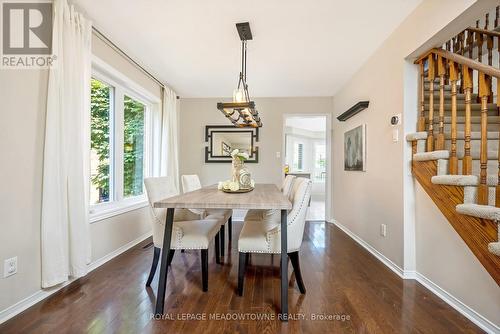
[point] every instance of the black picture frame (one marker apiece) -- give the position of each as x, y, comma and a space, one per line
211, 129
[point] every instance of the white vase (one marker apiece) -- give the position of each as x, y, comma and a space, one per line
241, 174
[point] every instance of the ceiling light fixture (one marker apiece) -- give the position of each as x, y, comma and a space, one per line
241, 112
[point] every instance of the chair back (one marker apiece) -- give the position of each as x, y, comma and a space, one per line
300, 195
287, 185
192, 183
158, 188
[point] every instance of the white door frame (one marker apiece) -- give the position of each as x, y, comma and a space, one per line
328, 140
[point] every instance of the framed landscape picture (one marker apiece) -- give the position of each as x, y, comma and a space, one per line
355, 149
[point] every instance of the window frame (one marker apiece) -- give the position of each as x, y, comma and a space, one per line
122, 85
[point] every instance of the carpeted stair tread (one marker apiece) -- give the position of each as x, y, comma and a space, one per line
434, 155
474, 135
479, 211
416, 136
455, 180
463, 180
461, 120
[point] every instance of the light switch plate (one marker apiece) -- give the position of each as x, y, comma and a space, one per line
383, 230
10, 267
395, 135
278, 154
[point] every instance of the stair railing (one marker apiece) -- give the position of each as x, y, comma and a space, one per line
456, 68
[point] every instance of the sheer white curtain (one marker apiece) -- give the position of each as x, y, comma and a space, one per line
167, 155
65, 237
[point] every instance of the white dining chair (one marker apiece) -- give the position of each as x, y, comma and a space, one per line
264, 235
286, 188
189, 230
192, 183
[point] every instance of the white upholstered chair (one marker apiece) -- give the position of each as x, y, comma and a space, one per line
192, 183
189, 231
264, 235
286, 188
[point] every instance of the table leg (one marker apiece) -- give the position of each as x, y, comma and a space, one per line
162, 282
284, 267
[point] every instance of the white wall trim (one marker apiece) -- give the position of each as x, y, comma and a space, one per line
381, 257
458, 305
40, 295
448, 298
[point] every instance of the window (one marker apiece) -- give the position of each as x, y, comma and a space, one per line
133, 147
100, 153
298, 157
121, 142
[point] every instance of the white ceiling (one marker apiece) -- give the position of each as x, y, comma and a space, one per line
315, 124
300, 48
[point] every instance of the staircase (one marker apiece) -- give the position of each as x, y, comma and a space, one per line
456, 146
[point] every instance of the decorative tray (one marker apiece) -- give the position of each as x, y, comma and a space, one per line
237, 191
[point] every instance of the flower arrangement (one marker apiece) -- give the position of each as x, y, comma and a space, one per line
241, 179
236, 154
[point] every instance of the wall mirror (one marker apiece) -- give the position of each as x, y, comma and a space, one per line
223, 139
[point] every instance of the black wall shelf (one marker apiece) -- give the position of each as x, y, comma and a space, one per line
358, 107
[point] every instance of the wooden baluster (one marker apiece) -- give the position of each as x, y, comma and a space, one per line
447, 76
470, 42
484, 91
431, 75
467, 160
453, 154
421, 119
477, 24
441, 72
497, 14
487, 21
479, 43
461, 38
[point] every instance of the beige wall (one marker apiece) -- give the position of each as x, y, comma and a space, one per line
381, 193
22, 117
196, 113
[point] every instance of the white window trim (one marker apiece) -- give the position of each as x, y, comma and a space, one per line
123, 85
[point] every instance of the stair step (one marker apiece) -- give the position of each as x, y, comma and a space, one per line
474, 135
461, 107
416, 136
436, 86
447, 96
479, 211
492, 120
463, 180
434, 155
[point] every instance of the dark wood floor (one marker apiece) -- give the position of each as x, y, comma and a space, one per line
342, 280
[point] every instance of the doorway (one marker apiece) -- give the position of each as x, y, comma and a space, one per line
306, 154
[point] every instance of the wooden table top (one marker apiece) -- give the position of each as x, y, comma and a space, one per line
264, 196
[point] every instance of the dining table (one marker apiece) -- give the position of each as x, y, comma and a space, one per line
263, 196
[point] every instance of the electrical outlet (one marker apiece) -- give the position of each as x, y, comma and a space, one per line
10, 267
383, 230
278, 154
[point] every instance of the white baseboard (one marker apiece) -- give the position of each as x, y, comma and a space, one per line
458, 305
451, 300
41, 294
381, 257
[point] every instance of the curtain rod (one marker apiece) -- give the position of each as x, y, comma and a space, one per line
106, 40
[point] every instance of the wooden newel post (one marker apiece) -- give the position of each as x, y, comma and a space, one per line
441, 73
467, 160
431, 75
453, 153
421, 119
484, 93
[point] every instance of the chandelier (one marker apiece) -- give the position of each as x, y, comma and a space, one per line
241, 111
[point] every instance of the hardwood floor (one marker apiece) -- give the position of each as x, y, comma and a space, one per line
342, 279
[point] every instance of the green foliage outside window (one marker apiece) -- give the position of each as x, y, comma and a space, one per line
133, 149
99, 135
